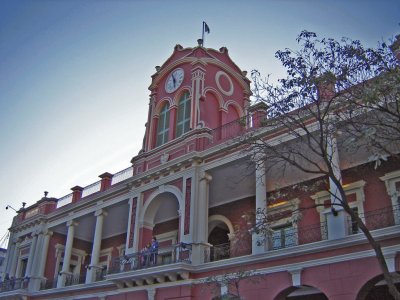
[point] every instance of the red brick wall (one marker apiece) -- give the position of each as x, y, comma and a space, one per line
234, 212
56, 238
166, 227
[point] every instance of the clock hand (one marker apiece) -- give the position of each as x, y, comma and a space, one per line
173, 80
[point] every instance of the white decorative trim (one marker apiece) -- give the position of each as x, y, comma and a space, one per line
121, 249
217, 79
108, 252
356, 187
390, 180
162, 189
168, 236
164, 158
236, 105
296, 277
76, 252
222, 219
291, 205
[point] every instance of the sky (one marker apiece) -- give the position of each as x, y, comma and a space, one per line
74, 75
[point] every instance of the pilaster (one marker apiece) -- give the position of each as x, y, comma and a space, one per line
198, 76
200, 247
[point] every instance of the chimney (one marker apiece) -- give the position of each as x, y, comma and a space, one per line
258, 114
395, 47
76, 193
105, 181
326, 86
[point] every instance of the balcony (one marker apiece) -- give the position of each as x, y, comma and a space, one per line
376, 219
14, 284
174, 263
145, 268
141, 260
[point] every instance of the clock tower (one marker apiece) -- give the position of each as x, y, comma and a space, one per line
195, 88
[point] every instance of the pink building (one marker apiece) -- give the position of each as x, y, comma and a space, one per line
189, 187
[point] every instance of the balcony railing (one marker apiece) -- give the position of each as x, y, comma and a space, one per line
74, 279
229, 131
376, 219
122, 175
64, 200
14, 284
100, 274
146, 259
219, 252
70, 280
48, 284
276, 240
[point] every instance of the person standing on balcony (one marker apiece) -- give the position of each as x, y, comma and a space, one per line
145, 255
154, 250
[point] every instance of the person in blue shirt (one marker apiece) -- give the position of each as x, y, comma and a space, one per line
154, 250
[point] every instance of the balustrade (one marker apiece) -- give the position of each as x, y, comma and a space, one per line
146, 259
14, 284
122, 175
91, 189
64, 200
376, 219
74, 279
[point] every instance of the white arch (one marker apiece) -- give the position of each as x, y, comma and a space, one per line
161, 190
217, 95
161, 103
236, 106
218, 219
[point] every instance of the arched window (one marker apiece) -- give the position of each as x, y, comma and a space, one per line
163, 126
183, 118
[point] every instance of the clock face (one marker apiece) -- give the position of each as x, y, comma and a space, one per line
174, 80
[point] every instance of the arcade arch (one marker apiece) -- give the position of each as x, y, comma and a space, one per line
303, 292
220, 234
160, 217
376, 288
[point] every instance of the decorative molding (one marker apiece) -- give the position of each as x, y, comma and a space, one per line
164, 158
218, 76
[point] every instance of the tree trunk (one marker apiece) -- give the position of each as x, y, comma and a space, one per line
375, 246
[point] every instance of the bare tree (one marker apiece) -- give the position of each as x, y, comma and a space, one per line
337, 95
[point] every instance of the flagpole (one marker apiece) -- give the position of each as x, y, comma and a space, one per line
202, 35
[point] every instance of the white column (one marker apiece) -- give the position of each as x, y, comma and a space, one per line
14, 259
93, 267
36, 262
31, 256
259, 244
200, 219
336, 219
37, 271
67, 253
10, 253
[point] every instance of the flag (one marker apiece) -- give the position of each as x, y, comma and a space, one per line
206, 28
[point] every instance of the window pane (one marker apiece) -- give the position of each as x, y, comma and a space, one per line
162, 126
289, 237
354, 226
183, 118
283, 236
